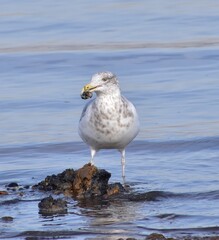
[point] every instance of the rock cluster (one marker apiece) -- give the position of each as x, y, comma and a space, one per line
86, 182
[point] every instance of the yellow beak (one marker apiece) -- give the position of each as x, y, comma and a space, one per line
87, 91
87, 88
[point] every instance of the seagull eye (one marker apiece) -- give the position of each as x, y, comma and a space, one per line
104, 79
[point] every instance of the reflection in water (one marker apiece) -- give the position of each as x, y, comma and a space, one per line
112, 218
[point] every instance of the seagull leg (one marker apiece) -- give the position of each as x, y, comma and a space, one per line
92, 152
123, 163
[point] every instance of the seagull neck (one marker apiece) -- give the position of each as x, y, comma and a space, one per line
114, 93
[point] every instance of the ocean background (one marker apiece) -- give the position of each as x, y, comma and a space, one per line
166, 57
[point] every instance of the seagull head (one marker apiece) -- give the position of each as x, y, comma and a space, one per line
101, 83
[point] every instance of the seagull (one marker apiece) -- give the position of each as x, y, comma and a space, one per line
109, 121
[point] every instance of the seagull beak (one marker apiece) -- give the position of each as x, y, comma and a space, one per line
89, 88
87, 91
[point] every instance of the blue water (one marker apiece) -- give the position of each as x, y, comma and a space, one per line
165, 54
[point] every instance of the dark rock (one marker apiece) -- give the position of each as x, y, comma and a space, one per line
50, 205
7, 219
12, 185
61, 182
86, 182
115, 188
156, 236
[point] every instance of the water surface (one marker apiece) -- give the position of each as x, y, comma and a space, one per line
165, 55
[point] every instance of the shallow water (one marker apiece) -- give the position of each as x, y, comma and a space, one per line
166, 57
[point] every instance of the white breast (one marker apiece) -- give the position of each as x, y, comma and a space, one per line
109, 123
